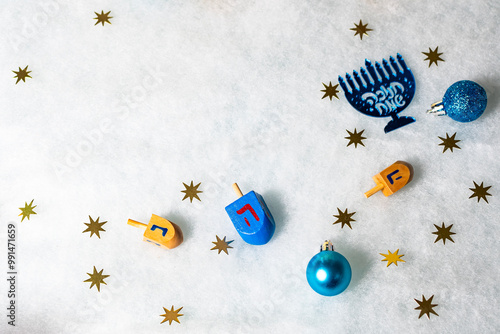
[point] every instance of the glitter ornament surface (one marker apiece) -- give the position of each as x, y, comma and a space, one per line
464, 101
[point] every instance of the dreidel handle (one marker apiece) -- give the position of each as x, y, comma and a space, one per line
372, 191
137, 224
237, 190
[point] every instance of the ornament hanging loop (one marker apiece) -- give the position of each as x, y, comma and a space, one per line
437, 109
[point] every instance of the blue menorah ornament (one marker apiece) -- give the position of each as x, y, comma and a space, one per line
382, 91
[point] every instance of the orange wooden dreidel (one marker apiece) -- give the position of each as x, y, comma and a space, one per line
160, 231
391, 179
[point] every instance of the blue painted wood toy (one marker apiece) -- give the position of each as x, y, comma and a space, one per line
251, 217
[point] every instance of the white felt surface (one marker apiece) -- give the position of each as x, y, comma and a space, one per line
115, 118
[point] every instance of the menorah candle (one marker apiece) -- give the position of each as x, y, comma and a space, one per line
251, 217
391, 179
160, 232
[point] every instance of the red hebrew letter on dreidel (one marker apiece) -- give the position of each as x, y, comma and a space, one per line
391, 179
252, 211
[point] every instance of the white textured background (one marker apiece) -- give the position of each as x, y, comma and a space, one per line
117, 117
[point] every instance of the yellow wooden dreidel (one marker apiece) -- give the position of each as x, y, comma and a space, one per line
160, 231
391, 179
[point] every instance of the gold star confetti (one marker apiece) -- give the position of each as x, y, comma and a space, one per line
361, 29
191, 191
443, 233
426, 307
355, 138
22, 74
94, 227
392, 257
171, 315
221, 245
102, 18
330, 91
96, 278
480, 192
449, 142
344, 218
27, 210
433, 56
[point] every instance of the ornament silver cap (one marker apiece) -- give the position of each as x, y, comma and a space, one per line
437, 109
326, 246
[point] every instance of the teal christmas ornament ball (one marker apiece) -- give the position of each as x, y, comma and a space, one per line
328, 272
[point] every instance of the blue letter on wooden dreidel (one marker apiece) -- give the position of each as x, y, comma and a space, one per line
251, 217
160, 232
391, 179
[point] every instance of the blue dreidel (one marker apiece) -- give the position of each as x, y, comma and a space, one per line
251, 217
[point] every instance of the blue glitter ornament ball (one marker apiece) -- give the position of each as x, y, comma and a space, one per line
328, 272
464, 101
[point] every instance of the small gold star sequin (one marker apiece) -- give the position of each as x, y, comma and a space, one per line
344, 218
330, 91
433, 56
94, 227
392, 257
96, 278
171, 315
102, 18
22, 74
449, 142
27, 210
361, 29
221, 245
426, 307
480, 192
191, 191
443, 233
355, 138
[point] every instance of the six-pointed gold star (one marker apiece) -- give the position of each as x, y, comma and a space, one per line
426, 307
433, 56
94, 227
392, 257
480, 191
102, 18
330, 91
96, 278
191, 191
221, 245
27, 210
355, 138
344, 218
22, 74
443, 233
361, 29
171, 315
449, 142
